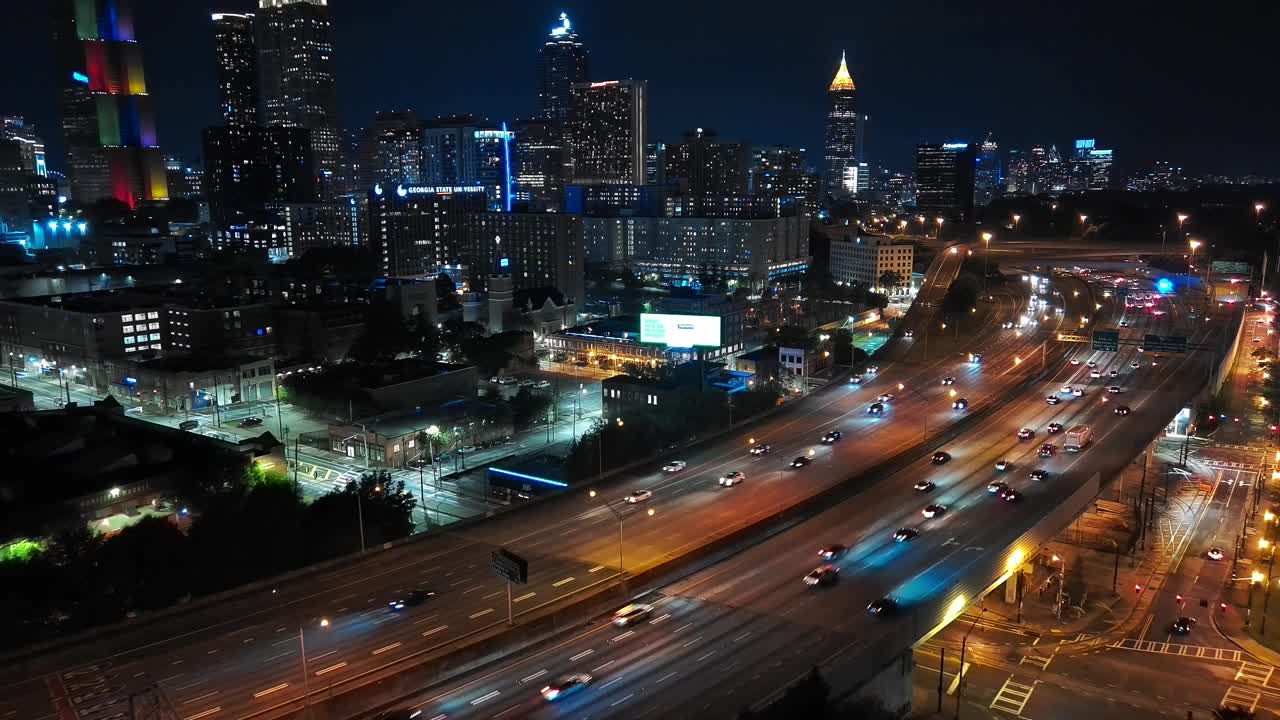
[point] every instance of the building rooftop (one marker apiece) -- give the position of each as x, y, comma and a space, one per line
197, 363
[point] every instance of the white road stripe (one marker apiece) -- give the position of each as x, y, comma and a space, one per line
381, 650
433, 631
331, 668
525, 596
205, 713
482, 613
482, 698
534, 676
270, 690
558, 583
581, 655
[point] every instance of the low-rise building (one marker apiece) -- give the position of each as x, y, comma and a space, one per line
863, 260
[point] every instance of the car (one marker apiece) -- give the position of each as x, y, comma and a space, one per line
1183, 625
924, 485
883, 606
975, 357
1026, 434
1121, 410
250, 422
885, 397
940, 457
631, 614
1039, 474
566, 685
1124, 323
1135, 365
822, 575
1047, 450
1010, 495
674, 466
1052, 399
761, 449
542, 384
1054, 428
875, 409
1214, 553
1113, 390
832, 552
1066, 390
638, 496
948, 380
801, 461
855, 379
507, 380
1074, 362
872, 369
906, 534
1113, 373
526, 382
1003, 465
1095, 374
960, 404
831, 436
1092, 364
997, 486
413, 597
1006, 325
932, 511
909, 334
731, 478
1077, 392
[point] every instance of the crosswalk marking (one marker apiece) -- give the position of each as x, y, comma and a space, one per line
1242, 697
1252, 672
1037, 660
1013, 697
1189, 651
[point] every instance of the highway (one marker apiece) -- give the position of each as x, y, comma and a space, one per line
729, 636
240, 656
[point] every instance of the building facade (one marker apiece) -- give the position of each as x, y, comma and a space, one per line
249, 166
608, 132
864, 261
533, 249
107, 123
394, 152
236, 67
539, 159
987, 179
417, 229
944, 180
563, 61
705, 164
841, 144
780, 172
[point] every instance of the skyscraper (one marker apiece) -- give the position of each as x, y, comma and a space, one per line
842, 129
394, 148
18, 129
296, 71
538, 161
944, 180
237, 67
466, 150
986, 180
248, 166
562, 62
107, 124
1090, 167
707, 164
780, 172
608, 129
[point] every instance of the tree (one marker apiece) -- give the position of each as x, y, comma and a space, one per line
528, 407
891, 279
961, 296
385, 335
331, 524
145, 565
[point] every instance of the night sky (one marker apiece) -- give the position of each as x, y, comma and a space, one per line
1152, 82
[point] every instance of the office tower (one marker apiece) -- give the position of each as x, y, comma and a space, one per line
1090, 167
1017, 179
31, 145
184, 181
236, 53
842, 129
562, 63
608, 131
296, 74
534, 249
860, 142
465, 150
655, 158
247, 167
1055, 171
394, 149
107, 123
780, 172
944, 180
416, 230
707, 165
986, 175
538, 159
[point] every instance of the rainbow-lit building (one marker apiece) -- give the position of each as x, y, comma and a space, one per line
107, 121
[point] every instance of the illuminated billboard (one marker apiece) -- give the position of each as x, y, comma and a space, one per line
680, 330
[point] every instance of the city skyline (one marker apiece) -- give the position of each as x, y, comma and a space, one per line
1070, 84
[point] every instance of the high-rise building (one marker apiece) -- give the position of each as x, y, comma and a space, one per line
236, 53
184, 180
417, 229
538, 162
534, 249
841, 146
986, 176
608, 129
706, 164
780, 172
1018, 178
465, 150
30, 144
247, 167
107, 123
1090, 167
944, 180
394, 149
296, 71
562, 63
655, 159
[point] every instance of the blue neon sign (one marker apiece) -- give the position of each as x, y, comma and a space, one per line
506, 162
80, 77
532, 478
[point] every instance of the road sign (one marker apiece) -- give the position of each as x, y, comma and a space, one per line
1174, 344
1229, 268
1068, 337
511, 566
1106, 340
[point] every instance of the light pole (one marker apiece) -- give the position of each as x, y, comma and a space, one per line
618, 514
432, 432
1062, 581
1254, 578
960, 670
1083, 227
939, 221
1016, 218
986, 239
306, 679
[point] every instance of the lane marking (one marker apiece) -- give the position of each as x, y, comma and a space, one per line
562, 582
314, 658
659, 619
597, 568
704, 657
270, 690
205, 696
665, 677
206, 713
534, 676
525, 596
483, 698
581, 655
616, 703
192, 684
623, 636
331, 668
611, 682
433, 631
482, 613
742, 636
691, 642
381, 650
601, 667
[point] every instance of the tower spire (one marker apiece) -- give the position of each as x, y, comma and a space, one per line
842, 81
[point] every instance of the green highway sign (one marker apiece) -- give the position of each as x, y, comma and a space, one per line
1174, 344
1068, 337
1106, 340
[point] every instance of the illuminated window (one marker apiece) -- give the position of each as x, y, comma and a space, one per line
127, 329
153, 316
126, 318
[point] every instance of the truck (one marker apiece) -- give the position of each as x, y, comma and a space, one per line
1077, 438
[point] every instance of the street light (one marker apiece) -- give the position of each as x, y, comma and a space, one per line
986, 238
1062, 578
621, 517
939, 221
960, 671
1257, 212
306, 680
1016, 218
1083, 219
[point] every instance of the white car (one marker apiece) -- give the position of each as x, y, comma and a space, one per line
638, 496
631, 614
1092, 364
1077, 392
1095, 374
1074, 362
1114, 390
674, 466
1215, 553
1066, 389
873, 369
732, 478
